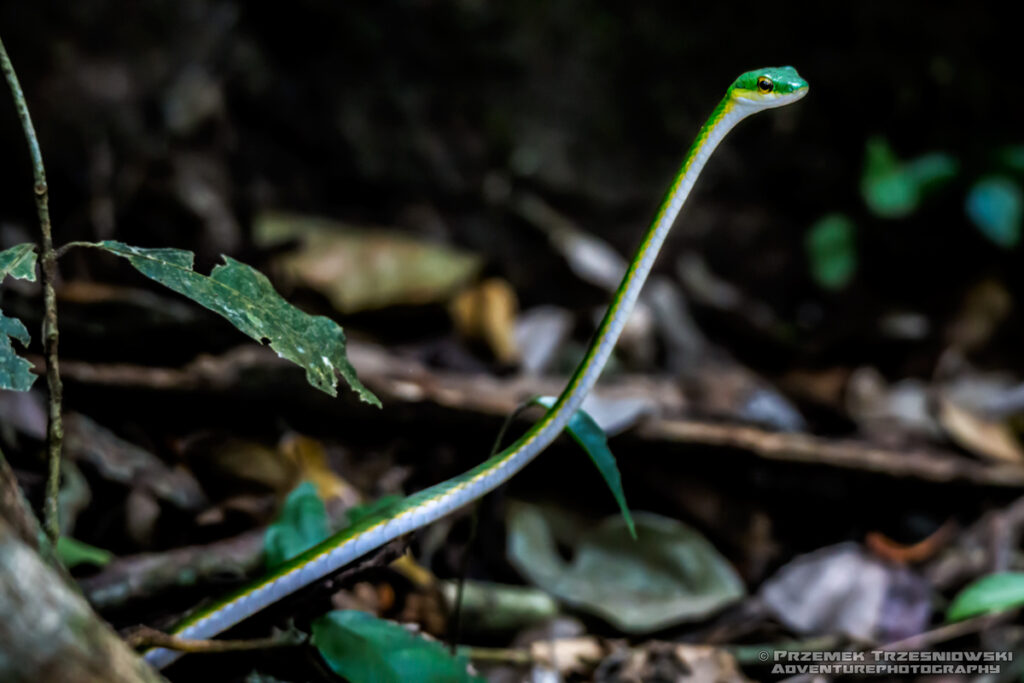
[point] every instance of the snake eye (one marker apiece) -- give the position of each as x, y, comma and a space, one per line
765, 85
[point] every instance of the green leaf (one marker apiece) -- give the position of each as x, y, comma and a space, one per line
894, 189
996, 206
300, 526
832, 250
19, 262
249, 302
670, 575
588, 434
992, 593
73, 553
364, 649
15, 372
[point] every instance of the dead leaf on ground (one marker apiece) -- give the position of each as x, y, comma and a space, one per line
842, 589
487, 312
242, 465
990, 439
668, 575
310, 457
361, 269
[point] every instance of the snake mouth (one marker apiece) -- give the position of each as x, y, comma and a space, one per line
771, 100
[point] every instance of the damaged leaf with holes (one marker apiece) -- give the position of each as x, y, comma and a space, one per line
245, 297
15, 372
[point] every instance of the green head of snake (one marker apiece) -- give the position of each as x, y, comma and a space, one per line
774, 86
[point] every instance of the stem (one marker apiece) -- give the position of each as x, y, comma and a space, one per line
55, 427
144, 636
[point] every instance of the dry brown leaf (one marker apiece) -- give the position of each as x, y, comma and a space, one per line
250, 463
568, 655
990, 439
310, 457
487, 312
362, 269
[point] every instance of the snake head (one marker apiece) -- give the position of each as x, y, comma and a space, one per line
774, 86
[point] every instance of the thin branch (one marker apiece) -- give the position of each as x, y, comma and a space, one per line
48, 261
145, 636
65, 248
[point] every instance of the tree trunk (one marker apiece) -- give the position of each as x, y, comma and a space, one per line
48, 632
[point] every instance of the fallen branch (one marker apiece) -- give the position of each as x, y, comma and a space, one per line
929, 465
402, 380
145, 637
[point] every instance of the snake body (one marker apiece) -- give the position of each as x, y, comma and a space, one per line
750, 93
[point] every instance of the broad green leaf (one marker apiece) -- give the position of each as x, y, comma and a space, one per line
15, 372
588, 434
300, 526
832, 251
996, 206
73, 553
669, 575
364, 649
893, 189
992, 593
249, 302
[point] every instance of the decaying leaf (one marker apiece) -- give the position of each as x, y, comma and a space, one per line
362, 269
488, 312
15, 372
310, 457
19, 262
841, 589
248, 301
669, 575
990, 439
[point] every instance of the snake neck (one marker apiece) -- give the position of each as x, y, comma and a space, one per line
725, 116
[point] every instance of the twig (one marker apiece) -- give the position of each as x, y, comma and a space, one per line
144, 636
65, 248
517, 656
947, 632
48, 260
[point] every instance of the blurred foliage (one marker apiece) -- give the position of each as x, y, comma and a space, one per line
894, 189
992, 593
996, 206
365, 649
832, 249
73, 553
301, 524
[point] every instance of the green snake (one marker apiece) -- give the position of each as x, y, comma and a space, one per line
750, 93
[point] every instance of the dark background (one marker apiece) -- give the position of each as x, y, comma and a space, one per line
425, 115
401, 113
